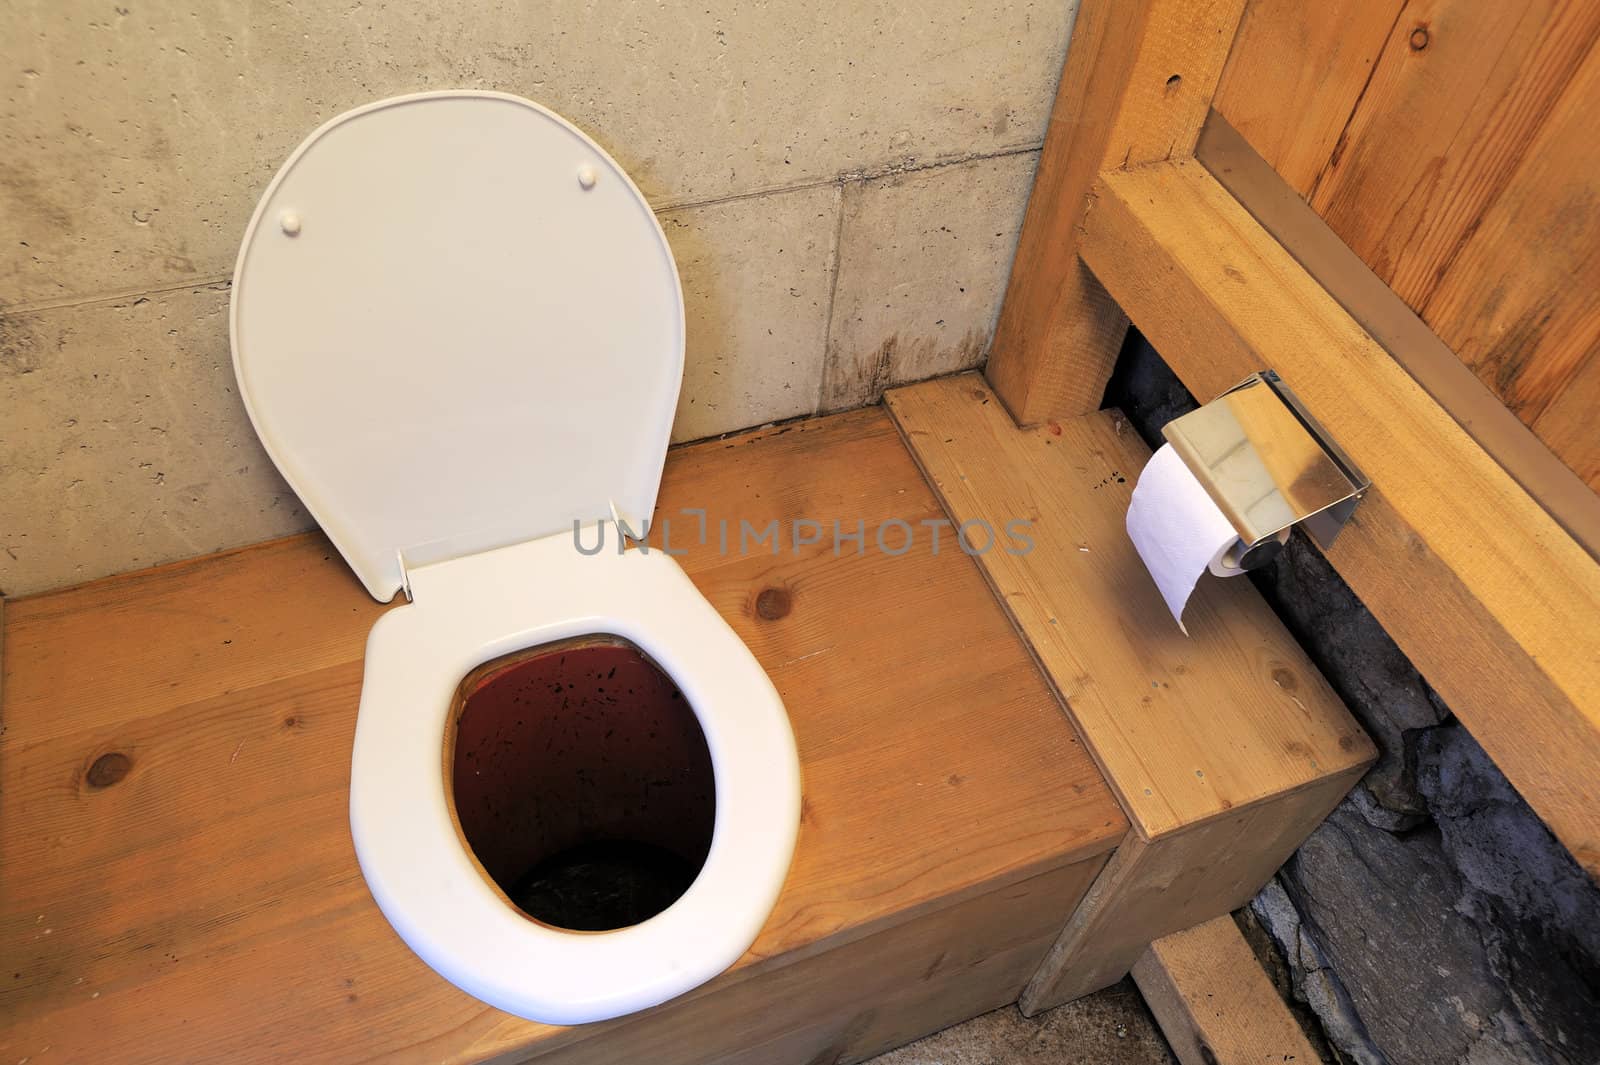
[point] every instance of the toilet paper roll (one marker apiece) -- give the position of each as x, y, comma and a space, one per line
1179, 532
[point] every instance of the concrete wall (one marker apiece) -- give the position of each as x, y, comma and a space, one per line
842, 183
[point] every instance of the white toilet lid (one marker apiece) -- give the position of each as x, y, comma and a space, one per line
457, 325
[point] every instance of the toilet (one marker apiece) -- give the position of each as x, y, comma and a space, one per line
458, 331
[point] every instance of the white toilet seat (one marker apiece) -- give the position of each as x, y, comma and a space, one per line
457, 325
473, 609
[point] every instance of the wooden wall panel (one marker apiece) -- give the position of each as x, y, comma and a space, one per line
1521, 302
1569, 425
1454, 152
1403, 334
1456, 98
1295, 75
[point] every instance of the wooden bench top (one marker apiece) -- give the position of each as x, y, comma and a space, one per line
176, 874
1188, 728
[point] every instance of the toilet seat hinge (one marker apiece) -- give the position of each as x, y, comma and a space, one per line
636, 529
405, 576
423, 556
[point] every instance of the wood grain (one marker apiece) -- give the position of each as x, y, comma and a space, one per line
1462, 173
1136, 87
1295, 75
1457, 95
179, 882
1152, 888
1186, 728
1405, 336
863, 998
1520, 303
1214, 1003
1568, 425
1490, 599
1225, 747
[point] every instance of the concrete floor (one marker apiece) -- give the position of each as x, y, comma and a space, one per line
1110, 1027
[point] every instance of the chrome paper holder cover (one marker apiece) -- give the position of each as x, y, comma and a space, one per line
1268, 464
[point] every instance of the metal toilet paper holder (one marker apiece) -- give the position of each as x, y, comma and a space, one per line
1268, 465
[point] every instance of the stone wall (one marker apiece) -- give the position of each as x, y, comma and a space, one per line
842, 183
1432, 919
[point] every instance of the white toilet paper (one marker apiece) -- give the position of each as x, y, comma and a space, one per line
1177, 529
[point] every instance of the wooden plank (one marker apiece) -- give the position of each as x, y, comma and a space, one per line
1568, 425
1186, 728
1295, 75
1214, 1003
1486, 594
267, 638
1137, 83
1388, 320
1152, 888
1520, 303
1461, 174
179, 882
863, 998
1458, 94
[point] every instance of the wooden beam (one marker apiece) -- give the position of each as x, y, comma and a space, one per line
1386, 318
1214, 1003
1136, 87
1225, 748
1487, 595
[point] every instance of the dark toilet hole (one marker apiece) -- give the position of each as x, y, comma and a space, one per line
581, 782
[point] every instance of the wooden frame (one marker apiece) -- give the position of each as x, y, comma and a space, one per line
1493, 599
1137, 84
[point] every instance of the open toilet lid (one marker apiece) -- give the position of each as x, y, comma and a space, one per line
457, 325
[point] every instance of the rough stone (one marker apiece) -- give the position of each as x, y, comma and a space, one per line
1290, 982
1537, 911
1381, 907
923, 261
1365, 667
1311, 981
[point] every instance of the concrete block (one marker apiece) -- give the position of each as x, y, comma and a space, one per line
135, 138
126, 446
923, 262
125, 443
757, 277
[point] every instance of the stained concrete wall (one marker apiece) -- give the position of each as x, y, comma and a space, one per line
842, 183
